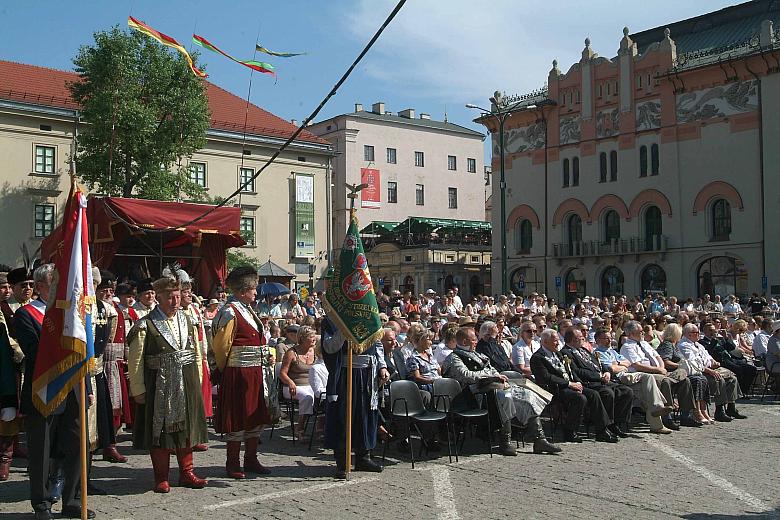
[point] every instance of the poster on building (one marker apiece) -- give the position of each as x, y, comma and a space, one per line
304, 215
370, 197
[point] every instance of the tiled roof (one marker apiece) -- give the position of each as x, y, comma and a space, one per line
426, 123
48, 87
718, 29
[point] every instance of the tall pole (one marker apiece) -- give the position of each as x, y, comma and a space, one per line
83, 445
348, 462
502, 188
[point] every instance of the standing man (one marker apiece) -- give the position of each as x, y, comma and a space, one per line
246, 368
58, 432
11, 357
146, 298
163, 365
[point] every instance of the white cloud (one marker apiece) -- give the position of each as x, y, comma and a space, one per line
464, 49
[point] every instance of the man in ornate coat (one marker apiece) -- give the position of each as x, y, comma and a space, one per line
246, 372
164, 368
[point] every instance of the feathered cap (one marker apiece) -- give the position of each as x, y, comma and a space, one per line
107, 280
20, 274
145, 285
241, 278
177, 273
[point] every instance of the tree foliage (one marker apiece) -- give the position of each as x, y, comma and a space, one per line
237, 258
146, 113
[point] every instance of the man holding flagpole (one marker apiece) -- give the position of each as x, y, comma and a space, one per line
354, 357
56, 434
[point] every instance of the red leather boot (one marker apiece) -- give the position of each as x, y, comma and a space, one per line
233, 463
161, 463
20, 452
111, 454
187, 477
251, 464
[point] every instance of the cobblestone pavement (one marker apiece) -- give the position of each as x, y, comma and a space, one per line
724, 471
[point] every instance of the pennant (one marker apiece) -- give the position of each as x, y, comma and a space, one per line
165, 40
259, 66
66, 347
350, 299
260, 48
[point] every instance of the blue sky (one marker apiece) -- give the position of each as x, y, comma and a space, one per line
437, 55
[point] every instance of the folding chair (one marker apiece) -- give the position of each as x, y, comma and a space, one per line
445, 390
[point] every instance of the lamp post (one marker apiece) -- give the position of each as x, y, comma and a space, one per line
501, 110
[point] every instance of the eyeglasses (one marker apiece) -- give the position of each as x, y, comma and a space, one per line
27, 284
694, 332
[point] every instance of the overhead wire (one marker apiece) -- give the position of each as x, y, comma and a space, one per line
293, 136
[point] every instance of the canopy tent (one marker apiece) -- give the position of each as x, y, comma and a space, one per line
135, 238
422, 230
379, 227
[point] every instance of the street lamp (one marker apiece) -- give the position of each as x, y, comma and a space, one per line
501, 110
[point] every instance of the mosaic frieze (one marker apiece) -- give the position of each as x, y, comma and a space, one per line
607, 123
570, 129
721, 101
648, 115
519, 140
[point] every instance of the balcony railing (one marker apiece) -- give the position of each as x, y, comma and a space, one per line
622, 246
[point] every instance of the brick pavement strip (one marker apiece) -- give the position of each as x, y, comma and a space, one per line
724, 471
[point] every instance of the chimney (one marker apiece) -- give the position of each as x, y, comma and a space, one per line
358, 107
408, 113
425, 116
378, 108
294, 122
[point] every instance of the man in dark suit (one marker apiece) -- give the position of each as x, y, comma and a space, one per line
615, 397
726, 352
59, 432
551, 373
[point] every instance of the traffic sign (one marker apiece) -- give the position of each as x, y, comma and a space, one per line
557, 281
381, 282
764, 282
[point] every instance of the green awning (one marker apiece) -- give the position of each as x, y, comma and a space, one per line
430, 225
378, 227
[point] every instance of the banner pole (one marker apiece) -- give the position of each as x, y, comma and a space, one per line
83, 438
348, 462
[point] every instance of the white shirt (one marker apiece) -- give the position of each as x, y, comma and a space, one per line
695, 354
732, 308
760, 343
522, 352
441, 353
639, 352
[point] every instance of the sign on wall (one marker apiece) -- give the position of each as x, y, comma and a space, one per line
304, 215
371, 196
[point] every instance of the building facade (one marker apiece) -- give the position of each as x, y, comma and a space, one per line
660, 164
37, 123
413, 166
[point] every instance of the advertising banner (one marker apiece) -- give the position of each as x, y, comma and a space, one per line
370, 197
304, 215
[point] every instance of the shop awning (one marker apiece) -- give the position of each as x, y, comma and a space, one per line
438, 225
378, 227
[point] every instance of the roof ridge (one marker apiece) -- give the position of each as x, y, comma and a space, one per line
73, 72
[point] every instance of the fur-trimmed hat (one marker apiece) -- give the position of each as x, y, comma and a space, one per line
107, 280
20, 274
241, 278
125, 289
145, 285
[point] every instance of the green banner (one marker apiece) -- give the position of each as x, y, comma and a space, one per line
304, 215
350, 299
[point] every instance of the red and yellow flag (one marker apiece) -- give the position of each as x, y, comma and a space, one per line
165, 40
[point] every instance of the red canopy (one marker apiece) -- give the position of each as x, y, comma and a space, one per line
125, 234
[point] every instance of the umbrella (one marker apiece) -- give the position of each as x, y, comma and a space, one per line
272, 289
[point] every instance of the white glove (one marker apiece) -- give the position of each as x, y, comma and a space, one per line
7, 414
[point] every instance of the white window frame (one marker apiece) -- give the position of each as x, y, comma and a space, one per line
51, 223
419, 159
471, 165
419, 194
242, 180
193, 173
52, 166
452, 163
253, 230
392, 153
368, 153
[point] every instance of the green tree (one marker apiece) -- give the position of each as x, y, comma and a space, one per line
146, 113
237, 258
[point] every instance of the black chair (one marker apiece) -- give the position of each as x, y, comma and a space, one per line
772, 377
445, 390
319, 408
406, 403
290, 405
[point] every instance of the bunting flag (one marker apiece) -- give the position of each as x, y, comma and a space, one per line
66, 349
260, 48
165, 40
259, 66
350, 299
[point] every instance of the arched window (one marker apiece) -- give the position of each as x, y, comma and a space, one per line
574, 229
643, 161
611, 226
476, 285
565, 173
525, 280
524, 236
575, 285
721, 220
613, 166
723, 275
575, 171
603, 167
654, 160
653, 228
612, 282
653, 280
